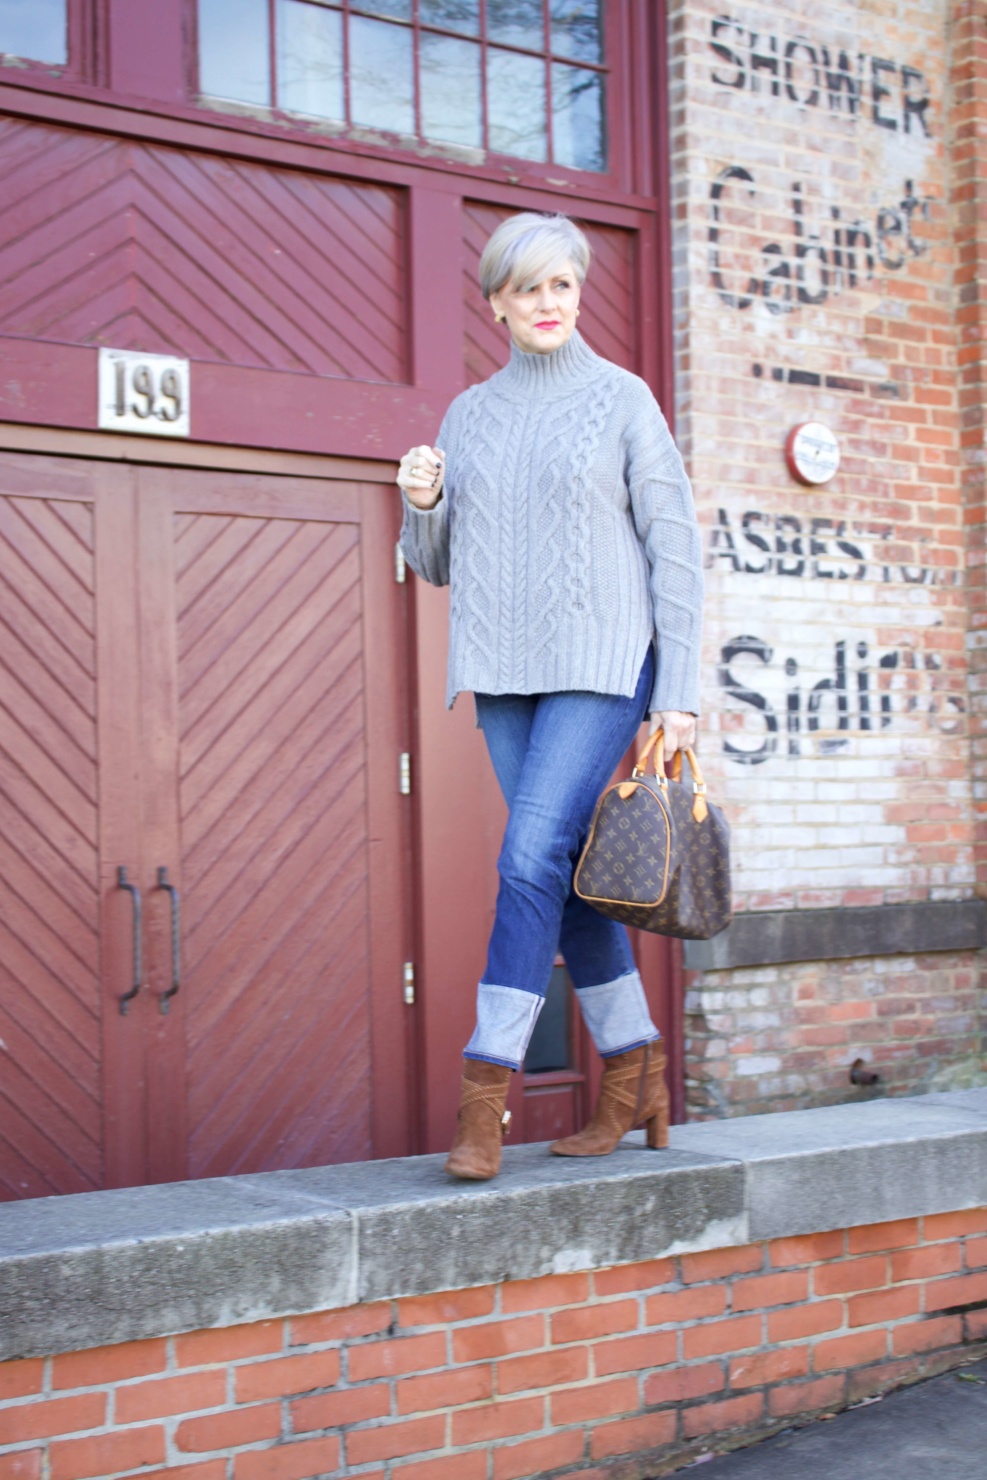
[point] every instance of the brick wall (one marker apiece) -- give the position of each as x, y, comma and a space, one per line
828, 226
617, 1372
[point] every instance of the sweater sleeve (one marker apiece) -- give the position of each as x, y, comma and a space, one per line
425, 532
665, 519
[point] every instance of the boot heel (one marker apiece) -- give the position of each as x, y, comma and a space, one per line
656, 1130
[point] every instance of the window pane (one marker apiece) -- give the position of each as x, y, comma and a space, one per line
549, 1046
381, 85
576, 30
516, 104
34, 29
452, 15
398, 10
310, 60
517, 22
234, 50
577, 118
450, 82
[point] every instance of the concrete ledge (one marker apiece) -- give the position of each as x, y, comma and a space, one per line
770, 937
105, 1267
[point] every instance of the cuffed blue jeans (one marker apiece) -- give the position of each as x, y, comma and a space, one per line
553, 755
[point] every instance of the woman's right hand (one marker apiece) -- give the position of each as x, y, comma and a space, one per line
421, 475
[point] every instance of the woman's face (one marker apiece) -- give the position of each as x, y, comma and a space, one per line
541, 317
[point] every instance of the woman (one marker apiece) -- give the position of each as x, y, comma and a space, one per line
557, 509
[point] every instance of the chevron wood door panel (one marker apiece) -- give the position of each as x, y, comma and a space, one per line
265, 592
69, 1120
110, 241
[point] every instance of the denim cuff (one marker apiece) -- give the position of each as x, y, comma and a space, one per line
616, 1014
505, 1020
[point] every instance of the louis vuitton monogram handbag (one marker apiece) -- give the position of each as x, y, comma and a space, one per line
658, 853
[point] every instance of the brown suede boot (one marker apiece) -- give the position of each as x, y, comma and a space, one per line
633, 1090
481, 1123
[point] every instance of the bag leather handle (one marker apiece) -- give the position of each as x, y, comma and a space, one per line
655, 752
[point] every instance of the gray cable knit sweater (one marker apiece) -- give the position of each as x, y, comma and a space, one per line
566, 533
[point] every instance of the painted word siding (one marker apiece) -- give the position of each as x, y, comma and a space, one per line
815, 272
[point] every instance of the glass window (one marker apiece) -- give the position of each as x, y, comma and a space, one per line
517, 23
417, 69
36, 30
549, 1046
234, 50
310, 59
577, 118
452, 105
451, 15
516, 104
576, 30
382, 89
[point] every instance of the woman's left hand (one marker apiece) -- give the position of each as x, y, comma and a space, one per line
679, 728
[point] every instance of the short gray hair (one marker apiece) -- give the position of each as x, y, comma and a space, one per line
528, 247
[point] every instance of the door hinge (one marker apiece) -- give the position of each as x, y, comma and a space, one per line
400, 565
409, 983
404, 774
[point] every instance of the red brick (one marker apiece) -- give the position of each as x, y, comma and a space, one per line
445, 1389
884, 1305
851, 1274
954, 1225
469, 1466
717, 1418
388, 1441
498, 1419
926, 1262
873, 1237
297, 1461
718, 1264
229, 1344
166, 1395
335, 1410
765, 1290
806, 1248
682, 1383
52, 1416
600, 1400
865, 1381
104, 1364
632, 1435
340, 1325
940, 1294
623, 1278
760, 1368
391, 1358
546, 1370
635, 1353
451, 1305
586, 1322
537, 1456
806, 1397
924, 1336
722, 1336
22, 1378
679, 1306
975, 1325
107, 1454
976, 1258
281, 1376
849, 1351
231, 1429
25, 1465
545, 1293
210, 1469
498, 1338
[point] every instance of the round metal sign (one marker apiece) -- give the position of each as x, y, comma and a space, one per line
812, 452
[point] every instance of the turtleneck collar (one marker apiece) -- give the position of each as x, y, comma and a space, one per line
532, 373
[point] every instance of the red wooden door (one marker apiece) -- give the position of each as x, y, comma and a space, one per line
194, 669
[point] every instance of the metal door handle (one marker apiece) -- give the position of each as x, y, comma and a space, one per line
176, 948
135, 895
